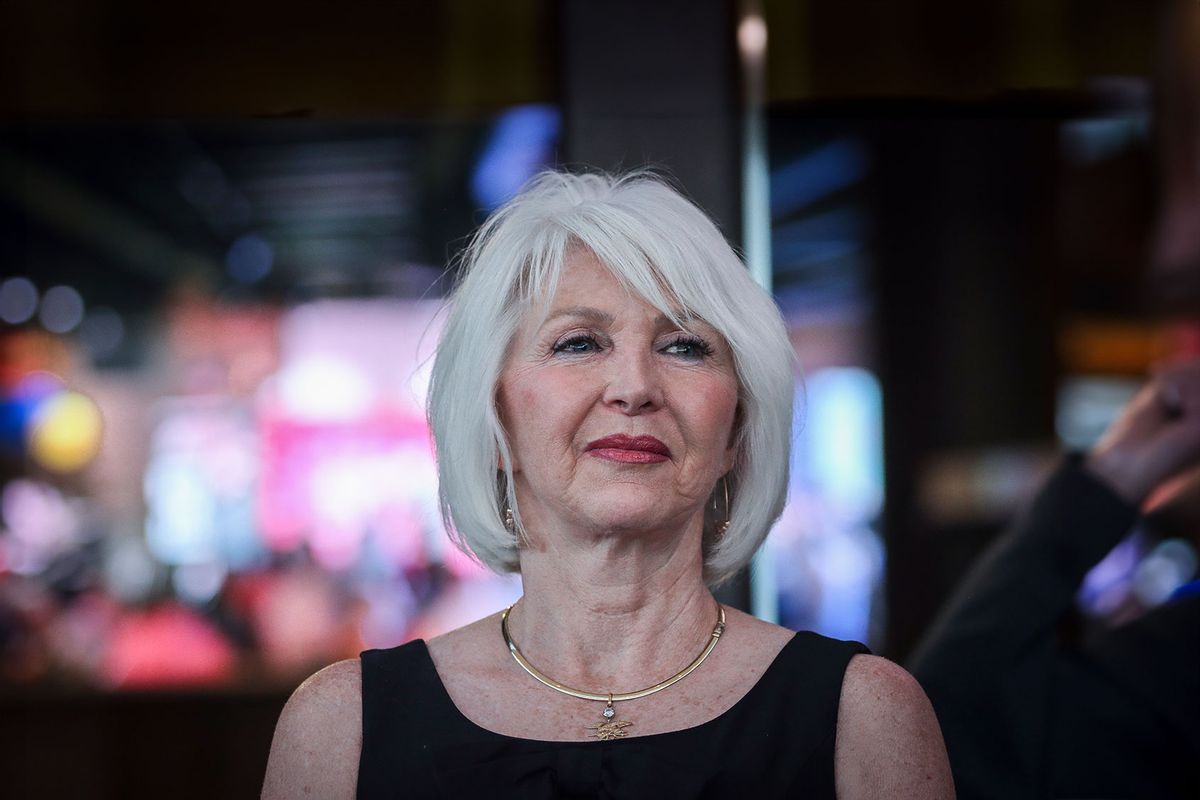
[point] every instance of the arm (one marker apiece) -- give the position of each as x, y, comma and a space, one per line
1010, 602
989, 662
318, 738
888, 740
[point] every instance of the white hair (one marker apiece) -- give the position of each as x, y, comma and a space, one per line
666, 250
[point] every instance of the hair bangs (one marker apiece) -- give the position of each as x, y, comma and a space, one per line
662, 249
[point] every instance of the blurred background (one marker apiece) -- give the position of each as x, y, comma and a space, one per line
224, 239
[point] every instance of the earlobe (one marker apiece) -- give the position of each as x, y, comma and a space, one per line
731, 446
730, 459
500, 463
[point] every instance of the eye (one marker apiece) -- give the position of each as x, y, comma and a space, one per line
689, 347
578, 344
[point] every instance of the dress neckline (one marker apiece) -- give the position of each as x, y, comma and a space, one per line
737, 705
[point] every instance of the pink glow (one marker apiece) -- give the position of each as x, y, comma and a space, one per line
387, 455
167, 646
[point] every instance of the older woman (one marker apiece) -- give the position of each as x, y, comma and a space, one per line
612, 406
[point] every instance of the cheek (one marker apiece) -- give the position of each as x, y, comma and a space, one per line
722, 404
712, 413
544, 409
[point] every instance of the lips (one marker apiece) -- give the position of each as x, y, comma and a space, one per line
630, 449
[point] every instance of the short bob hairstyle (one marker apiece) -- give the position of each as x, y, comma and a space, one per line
662, 248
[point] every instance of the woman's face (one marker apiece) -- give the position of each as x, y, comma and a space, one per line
618, 420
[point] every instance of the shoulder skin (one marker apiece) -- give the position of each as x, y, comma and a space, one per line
888, 740
318, 738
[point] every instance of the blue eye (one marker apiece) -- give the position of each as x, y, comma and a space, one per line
577, 345
689, 347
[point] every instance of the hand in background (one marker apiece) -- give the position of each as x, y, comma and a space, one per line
1156, 437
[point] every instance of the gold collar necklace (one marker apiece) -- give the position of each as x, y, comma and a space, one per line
611, 728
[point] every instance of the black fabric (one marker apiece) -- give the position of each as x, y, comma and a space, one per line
1026, 714
777, 741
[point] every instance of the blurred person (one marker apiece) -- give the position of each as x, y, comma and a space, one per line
612, 407
1029, 713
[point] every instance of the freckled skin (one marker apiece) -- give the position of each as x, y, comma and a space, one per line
633, 372
614, 553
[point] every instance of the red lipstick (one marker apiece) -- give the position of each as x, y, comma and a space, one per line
630, 449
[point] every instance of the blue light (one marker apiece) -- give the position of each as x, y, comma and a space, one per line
815, 175
249, 258
842, 450
18, 407
521, 143
18, 300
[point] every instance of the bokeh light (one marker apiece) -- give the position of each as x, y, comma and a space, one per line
66, 432
1169, 565
752, 36
19, 406
249, 258
219, 466
130, 572
37, 515
18, 300
324, 388
61, 310
198, 583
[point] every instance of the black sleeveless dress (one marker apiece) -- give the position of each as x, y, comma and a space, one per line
777, 741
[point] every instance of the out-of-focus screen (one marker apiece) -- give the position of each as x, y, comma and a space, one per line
215, 468
824, 559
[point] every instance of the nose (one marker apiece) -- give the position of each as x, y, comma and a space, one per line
633, 384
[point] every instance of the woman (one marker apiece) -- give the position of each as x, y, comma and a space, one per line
612, 406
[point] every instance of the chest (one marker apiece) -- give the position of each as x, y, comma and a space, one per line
429, 731
513, 703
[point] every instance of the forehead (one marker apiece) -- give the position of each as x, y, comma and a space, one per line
584, 278
588, 288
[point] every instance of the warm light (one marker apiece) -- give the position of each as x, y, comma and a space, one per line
66, 432
752, 36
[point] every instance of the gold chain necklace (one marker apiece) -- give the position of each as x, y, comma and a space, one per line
611, 728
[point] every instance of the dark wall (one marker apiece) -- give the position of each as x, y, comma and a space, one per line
968, 293
134, 746
656, 84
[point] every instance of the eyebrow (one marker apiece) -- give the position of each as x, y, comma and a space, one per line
593, 315
596, 316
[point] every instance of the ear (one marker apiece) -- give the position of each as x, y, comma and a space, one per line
498, 409
729, 458
516, 467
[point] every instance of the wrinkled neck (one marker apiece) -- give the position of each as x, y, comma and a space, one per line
613, 615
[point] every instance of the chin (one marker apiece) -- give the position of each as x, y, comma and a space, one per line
632, 514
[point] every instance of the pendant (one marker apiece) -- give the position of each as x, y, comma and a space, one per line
609, 728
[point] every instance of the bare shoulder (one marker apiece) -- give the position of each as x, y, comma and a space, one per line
318, 738
888, 740
465, 648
